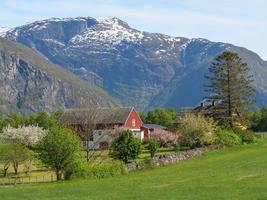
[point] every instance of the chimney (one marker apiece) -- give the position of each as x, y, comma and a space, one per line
213, 103
202, 105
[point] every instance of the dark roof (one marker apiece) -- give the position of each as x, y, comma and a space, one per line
116, 115
154, 126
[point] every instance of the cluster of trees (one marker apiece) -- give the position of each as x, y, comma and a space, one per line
257, 119
160, 116
40, 119
39, 136
17, 146
19, 136
231, 90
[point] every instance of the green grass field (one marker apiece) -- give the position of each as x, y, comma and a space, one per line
235, 173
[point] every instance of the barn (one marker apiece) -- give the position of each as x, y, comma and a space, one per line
94, 125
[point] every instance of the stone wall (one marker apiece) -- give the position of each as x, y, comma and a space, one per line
166, 159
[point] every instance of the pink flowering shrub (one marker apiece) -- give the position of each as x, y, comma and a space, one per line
165, 138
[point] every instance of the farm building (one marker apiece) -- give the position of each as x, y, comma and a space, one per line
150, 128
96, 126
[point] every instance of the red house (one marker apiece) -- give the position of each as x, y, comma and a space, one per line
102, 120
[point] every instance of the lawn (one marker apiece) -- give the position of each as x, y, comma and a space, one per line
235, 173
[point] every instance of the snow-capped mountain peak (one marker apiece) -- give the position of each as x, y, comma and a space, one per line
151, 67
108, 31
3, 31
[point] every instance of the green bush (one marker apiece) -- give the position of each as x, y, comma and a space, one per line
227, 137
60, 149
177, 148
152, 147
196, 131
147, 163
257, 119
105, 170
247, 136
126, 147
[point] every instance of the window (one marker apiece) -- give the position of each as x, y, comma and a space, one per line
133, 122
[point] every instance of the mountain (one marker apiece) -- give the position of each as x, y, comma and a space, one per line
137, 68
3, 31
31, 83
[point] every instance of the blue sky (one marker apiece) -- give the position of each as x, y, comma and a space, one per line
241, 22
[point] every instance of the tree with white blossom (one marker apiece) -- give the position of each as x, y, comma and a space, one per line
25, 135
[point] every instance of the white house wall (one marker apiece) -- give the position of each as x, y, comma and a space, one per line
103, 136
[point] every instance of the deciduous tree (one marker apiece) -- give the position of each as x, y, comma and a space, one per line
60, 150
26, 135
126, 147
14, 154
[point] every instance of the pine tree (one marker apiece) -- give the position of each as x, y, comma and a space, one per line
230, 87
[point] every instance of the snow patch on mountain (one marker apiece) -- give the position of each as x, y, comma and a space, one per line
109, 31
55, 42
3, 31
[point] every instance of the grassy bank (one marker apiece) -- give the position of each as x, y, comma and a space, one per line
235, 173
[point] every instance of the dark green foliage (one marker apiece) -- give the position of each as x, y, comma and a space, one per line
41, 119
142, 115
105, 170
60, 150
126, 147
177, 148
257, 119
152, 147
227, 137
230, 86
247, 136
160, 116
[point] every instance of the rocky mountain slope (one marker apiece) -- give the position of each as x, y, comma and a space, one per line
31, 83
137, 68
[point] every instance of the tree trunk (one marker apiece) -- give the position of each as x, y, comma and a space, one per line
5, 170
59, 175
229, 97
87, 151
16, 167
87, 154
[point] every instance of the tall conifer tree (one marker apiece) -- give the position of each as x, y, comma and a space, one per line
230, 87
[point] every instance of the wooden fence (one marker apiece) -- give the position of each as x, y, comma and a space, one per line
26, 180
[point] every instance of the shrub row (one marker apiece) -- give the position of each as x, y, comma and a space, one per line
227, 138
105, 170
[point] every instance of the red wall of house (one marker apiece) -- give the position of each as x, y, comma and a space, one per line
133, 115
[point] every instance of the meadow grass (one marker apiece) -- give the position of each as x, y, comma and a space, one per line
234, 173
